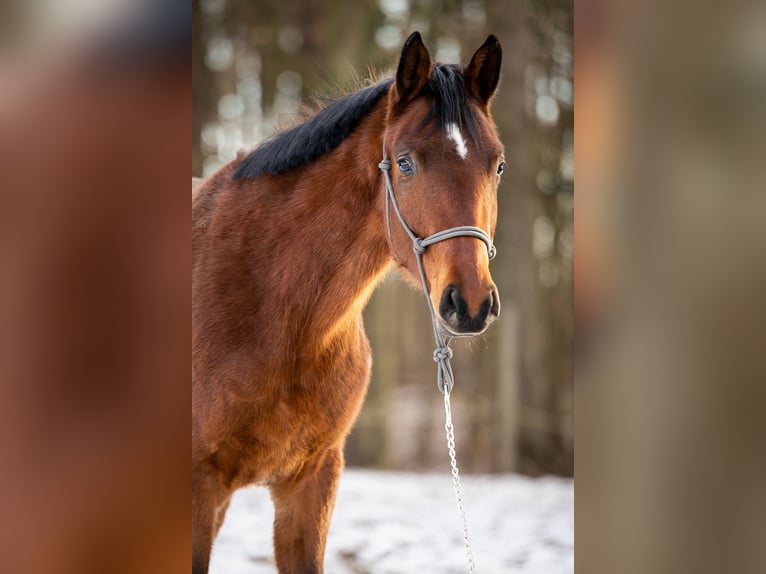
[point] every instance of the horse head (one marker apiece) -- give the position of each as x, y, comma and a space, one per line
445, 165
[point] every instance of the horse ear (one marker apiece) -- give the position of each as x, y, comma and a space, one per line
483, 73
413, 71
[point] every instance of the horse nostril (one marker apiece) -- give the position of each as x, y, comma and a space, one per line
494, 302
451, 304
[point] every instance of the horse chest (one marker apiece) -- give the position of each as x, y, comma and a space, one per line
304, 415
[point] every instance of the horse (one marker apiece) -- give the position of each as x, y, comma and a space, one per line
289, 242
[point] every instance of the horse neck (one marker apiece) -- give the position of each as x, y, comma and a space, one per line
337, 240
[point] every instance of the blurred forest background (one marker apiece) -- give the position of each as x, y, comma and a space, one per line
255, 61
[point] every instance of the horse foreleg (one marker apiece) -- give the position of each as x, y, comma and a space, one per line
209, 504
303, 507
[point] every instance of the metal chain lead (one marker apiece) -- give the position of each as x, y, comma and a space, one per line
456, 481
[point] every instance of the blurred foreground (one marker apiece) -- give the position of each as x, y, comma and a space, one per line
94, 296
671, 274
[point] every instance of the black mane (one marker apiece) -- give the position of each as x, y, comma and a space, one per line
321, 133
325, 131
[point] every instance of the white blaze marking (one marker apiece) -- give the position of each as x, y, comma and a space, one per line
453, 133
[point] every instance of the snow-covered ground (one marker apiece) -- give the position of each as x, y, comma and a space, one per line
405, 523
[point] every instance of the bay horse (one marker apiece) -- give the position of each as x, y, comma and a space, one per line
289, 242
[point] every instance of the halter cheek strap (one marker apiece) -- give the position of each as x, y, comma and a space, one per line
442, 353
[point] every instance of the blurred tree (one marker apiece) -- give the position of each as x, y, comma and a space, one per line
537, 223
201, 82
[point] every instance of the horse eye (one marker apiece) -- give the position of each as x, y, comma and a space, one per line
405, 166
501, 168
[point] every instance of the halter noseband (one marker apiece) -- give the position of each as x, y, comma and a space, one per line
442, 353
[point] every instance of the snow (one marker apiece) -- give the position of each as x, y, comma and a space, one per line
406, 523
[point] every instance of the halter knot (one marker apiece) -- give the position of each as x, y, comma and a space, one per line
385, 165
442, 353
492, 252
417, 246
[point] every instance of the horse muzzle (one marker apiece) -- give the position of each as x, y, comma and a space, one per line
455, 318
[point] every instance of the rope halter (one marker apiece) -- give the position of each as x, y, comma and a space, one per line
442, 353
